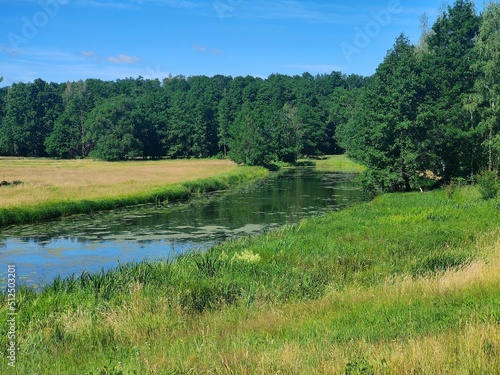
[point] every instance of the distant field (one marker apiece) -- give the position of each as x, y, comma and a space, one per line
57, 188
339, 163
46, 180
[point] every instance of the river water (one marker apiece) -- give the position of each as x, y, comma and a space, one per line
72, 245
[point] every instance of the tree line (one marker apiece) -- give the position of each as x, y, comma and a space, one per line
429, 113
252, 120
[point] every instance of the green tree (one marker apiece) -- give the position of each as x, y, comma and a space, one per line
448, 80
110, 131
3, 97
177, 135
202, 100
64, 141
31, 110
326, 84
149, 119
67, 139
312, 118
383, 133
225, 117
341, 110
336, 94
289, 134
242, 91
228, 109
276, 116
487, 85
249, 142
179, 118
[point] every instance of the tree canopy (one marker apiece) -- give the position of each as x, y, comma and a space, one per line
253, 120
431, 113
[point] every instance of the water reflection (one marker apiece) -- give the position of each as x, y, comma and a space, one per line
92, 242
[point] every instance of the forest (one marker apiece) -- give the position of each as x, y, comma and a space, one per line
253, 120
429, 114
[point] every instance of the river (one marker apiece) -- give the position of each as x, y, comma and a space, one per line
72, 245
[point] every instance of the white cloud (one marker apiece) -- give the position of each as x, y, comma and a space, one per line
37, 54
319, 11
89, 53
288, 10
123, 59
202, 49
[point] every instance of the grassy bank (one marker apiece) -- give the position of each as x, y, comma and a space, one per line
338, 163
57, 188
405, 284
329, 163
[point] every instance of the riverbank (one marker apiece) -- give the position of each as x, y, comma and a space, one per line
48, 189
406, 283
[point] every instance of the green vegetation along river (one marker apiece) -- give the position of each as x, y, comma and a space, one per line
93, 242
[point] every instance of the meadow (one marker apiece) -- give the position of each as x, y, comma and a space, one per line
339, 163
55, 188
405, 284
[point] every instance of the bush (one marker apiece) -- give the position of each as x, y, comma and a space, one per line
488, 184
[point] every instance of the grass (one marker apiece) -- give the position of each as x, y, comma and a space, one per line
405, 284
339, 163
56, 188
336, 163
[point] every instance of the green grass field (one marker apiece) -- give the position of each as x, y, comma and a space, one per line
338, 163
405, 284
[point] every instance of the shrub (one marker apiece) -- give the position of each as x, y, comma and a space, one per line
488, 184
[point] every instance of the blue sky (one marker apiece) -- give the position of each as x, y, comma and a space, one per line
68, 40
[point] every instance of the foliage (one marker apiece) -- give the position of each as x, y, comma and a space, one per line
430, 110
447, 77
489, 184
249, 141
384, 136
485, 101
30, 112
253, 120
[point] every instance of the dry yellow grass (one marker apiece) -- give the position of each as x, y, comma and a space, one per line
473, 350
48, 180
